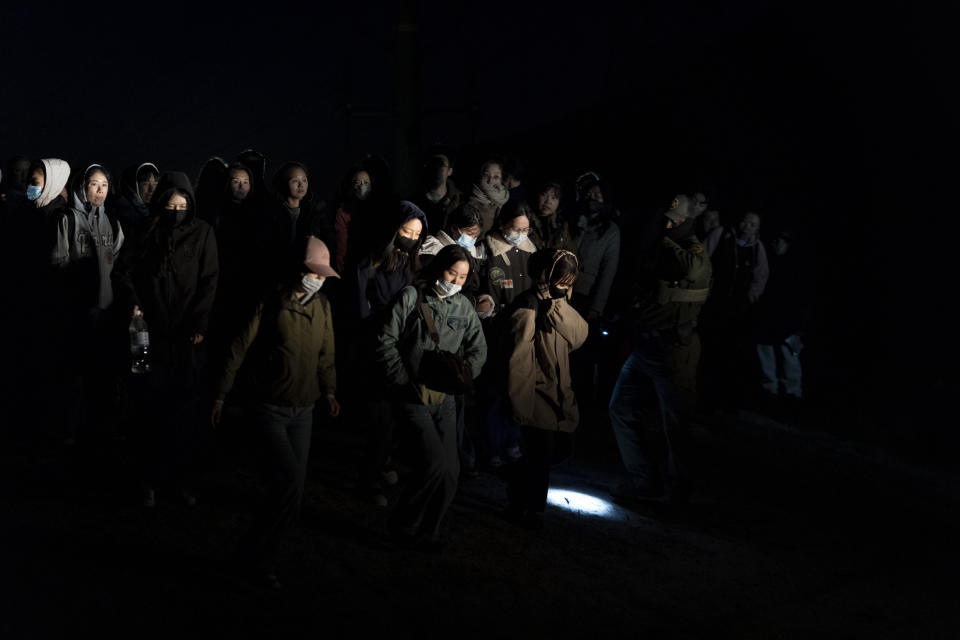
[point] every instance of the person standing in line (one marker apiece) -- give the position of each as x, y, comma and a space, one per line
289, 340
543, 329
429, 315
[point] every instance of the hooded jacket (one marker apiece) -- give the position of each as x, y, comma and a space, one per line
505, 273
170, 271
377, 286
57, 173
130, 207
87, 244
539, 387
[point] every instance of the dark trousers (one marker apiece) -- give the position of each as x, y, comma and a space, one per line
656, 388
432, 433
530, 478
284, 435
166, 426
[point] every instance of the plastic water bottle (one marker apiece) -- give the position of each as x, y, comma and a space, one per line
139, 344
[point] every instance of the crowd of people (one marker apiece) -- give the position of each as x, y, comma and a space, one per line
445, 325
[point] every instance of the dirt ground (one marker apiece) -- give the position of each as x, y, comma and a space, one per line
791, 534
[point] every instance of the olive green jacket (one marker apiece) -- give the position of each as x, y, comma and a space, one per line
677, 303
291, 347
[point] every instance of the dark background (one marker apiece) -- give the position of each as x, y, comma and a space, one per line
835, 120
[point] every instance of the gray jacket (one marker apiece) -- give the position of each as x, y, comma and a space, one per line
86, 246
599, 254
400, 350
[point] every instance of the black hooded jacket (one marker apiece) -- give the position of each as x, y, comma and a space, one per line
170, 271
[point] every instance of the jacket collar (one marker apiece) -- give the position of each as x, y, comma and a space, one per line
499, 246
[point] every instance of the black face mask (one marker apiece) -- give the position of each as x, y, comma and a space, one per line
682, 231
173, 218
556, 293
405, 244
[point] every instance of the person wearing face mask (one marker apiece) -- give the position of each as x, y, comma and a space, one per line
489, 194
508, 248
542, 329
289, 343
380, 276
32, 227
88, 240
168, 273
427, 417
463, 229
672, 286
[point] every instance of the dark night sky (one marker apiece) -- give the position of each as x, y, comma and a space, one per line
830, 112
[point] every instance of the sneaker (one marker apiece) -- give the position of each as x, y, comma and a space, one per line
188, 498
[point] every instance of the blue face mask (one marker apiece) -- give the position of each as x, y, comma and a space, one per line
466, 241
33, 192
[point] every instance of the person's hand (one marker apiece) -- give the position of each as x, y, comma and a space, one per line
197, 338
334, 406
484, 304
136, 310
216, 412
752, 297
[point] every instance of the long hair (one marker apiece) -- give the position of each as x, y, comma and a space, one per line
445, 258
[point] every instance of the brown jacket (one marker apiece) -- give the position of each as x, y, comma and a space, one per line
538, 380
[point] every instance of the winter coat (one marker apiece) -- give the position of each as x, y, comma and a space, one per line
598, 248
505, 273
377, 287
543, 332
170, 272
478, 257
550, 232
437, 211
400, 344
291, 350
679, 286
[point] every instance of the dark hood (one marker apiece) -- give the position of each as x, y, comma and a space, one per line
169, 182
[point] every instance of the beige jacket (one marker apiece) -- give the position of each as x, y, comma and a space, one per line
538, 381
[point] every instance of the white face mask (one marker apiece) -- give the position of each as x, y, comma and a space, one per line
514, 238
310, 286
445, 289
